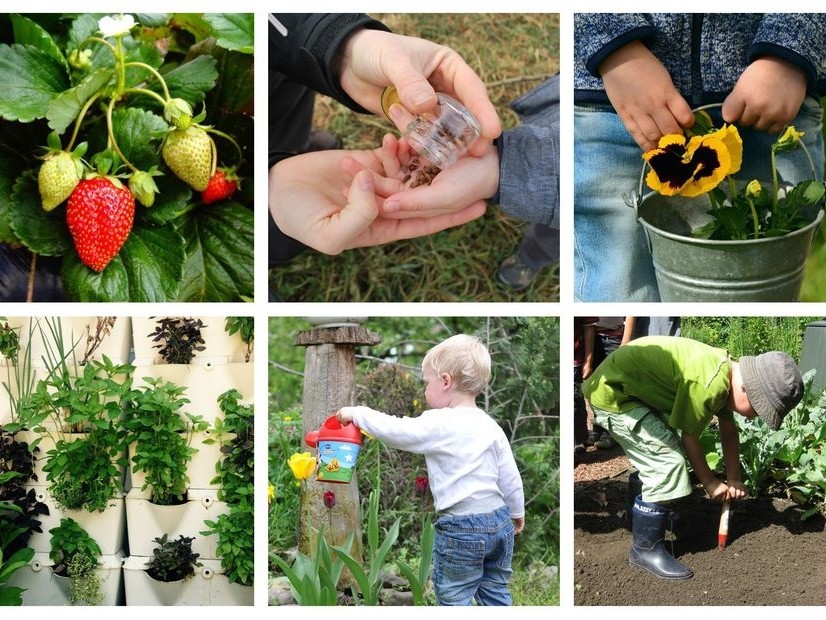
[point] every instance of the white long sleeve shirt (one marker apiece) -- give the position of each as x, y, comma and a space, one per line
467, 454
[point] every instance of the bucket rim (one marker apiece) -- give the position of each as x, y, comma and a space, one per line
718, 243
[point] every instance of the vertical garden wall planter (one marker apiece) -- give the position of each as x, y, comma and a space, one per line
207, 587
220, 347
147, 521
43, 587
200, 470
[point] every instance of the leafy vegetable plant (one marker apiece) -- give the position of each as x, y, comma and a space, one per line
116, 126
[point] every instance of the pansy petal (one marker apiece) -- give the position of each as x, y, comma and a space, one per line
712, 161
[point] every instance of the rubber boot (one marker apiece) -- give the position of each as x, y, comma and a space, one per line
634, 491
648, 546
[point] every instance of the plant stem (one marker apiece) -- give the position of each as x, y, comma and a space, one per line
754, 219
112, 140
774, 181
80, 117
144, 91
218, 132
155, 73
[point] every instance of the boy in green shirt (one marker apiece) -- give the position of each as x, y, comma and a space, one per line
655, 395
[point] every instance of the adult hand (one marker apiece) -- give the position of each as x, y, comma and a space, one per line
372, 60
648, 111
470, 181
767, 96
316, 202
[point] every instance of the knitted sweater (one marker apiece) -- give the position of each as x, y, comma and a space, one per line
704, 53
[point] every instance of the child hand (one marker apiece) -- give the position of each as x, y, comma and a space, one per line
767, 96
717, 491
653, 111
518, 525
344, 415
736, 490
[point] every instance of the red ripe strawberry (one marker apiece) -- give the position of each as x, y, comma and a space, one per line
221, 186
99, 215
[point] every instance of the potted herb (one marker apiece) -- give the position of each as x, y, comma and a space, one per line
173, 560
714, 238
75, 555
13, 556
160, 437
178, 339
244, 326
21, 505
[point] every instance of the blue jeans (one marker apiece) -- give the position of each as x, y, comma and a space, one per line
611, 257
472, 558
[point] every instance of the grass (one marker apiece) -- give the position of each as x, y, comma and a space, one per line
512, 54
814, 284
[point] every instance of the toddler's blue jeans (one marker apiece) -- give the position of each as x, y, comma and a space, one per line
611, 257
472, 558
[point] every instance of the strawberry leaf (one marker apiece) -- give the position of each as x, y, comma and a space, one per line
232, 31
219, 263
31, 79
43, 233
28, 32
7, 176
191, 81
148, 268
134, 130
63, 110
173, 200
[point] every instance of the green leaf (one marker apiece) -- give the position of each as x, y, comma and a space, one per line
172, 201
81, 29
233, 31
134, 130
43, 233
7, 176
63, 110
31, 78
28, 32
219, 263
235, 88
148, 268
191, 81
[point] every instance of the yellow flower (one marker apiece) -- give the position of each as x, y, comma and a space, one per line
302, 464
753, 189
415, 402
789, 139
288, 418
270, 493
693, 168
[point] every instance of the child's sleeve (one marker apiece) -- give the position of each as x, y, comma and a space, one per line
798, 38
598, 35
510, 481
409, 434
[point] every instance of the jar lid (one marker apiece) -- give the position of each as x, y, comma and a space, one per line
389, 96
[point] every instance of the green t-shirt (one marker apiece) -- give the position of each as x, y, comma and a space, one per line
684, 379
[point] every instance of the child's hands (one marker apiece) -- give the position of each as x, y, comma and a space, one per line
344, 415
651, 111
717, 491
518, 525
736, 490
767, 96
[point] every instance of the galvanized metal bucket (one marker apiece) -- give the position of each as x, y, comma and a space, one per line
692, 269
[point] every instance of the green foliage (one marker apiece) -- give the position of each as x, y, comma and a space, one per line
173, 560
235, 529
61, 76
9, 341
244, 326
13, 554
284, 438
76, 554
418, 578
162, 435
368, 576
178, 339
314, 580
749, 335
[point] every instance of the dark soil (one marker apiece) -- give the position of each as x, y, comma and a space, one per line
772, 557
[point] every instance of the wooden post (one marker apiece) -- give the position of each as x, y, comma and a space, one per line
329, 384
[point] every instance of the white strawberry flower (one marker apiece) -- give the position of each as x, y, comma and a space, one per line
116, 25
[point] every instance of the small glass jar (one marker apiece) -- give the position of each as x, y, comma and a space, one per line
441, 136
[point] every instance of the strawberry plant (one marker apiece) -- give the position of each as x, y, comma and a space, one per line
111, 128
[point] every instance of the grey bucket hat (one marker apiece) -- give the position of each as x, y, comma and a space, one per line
773, 384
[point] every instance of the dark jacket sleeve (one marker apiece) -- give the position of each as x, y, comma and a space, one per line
598, 35
305, 47
799, 38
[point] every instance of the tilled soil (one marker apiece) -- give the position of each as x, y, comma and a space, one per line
772, 557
